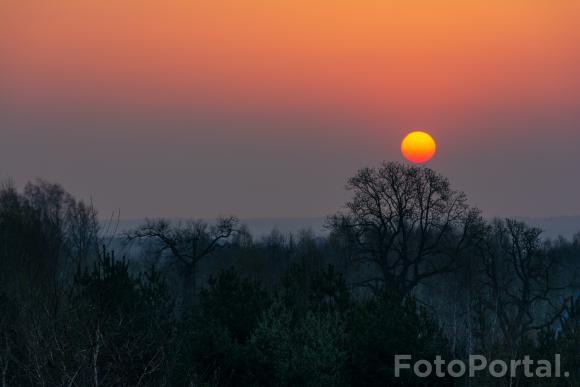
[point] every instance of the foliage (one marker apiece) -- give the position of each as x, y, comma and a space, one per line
409, 268
387, 325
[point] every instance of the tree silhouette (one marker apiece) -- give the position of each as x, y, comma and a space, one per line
518, 284
187, 244
407, 221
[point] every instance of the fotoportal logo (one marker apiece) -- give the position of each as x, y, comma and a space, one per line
477, 365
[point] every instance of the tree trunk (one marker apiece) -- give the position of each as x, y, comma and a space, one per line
189, 287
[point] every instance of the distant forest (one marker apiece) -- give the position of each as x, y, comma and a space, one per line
407, 267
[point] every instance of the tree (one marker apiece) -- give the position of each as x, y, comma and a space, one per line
118, 326
307, 351
308, 286
407, 221
234, 302
187, 244
387, 325
518, 285
45, 235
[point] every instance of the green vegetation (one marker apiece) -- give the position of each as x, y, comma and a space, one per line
408, 268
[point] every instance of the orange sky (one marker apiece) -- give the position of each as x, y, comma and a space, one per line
412, 56
470, 71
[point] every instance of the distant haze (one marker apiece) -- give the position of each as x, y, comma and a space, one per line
552, 227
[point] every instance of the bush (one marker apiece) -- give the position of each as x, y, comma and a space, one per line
387, 325
308, 352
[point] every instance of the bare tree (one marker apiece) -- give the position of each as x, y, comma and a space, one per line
519, 280
187, 244
407, 221
82, 231
70, 225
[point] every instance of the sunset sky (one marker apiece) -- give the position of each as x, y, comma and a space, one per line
265, 108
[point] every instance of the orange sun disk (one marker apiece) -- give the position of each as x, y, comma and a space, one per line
418, 147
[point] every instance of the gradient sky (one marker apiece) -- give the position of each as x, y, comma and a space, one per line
265, 108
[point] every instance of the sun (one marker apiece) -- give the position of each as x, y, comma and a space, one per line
418, 147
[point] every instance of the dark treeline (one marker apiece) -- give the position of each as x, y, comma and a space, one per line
408, 267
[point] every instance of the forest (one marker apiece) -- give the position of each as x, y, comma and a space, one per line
407, 266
